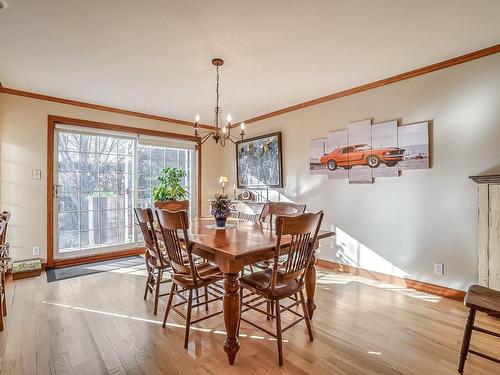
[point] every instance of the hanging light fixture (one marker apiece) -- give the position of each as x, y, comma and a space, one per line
221, 131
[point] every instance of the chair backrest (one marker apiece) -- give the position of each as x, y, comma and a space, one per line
248, 217
3, 228
171, 222
297, 248
5, 216
273, 209
145, 220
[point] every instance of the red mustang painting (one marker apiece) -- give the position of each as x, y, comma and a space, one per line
362, 154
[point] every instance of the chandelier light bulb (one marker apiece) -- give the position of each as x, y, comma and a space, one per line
197, 118
224, 130
229, 118
242, 126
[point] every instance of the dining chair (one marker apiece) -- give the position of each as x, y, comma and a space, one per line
296, 237
156, 261
187, 276
485, 300
269, 213
4, 259
273, 209
5, 216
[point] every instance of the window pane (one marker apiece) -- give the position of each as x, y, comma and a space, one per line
69, 240
88, 182
89, 143
68, 161
108, 145
68, 201
68, 141
68, 221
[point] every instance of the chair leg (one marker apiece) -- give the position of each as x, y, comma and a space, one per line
1, 323
197, 296
466, 340
148, 280
206, 298
279, 339
268, 308
306, 315
157, 290
169, 304
241, 309
4, 302
188, 318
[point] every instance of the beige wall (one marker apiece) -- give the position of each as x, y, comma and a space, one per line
403, 225
23, 147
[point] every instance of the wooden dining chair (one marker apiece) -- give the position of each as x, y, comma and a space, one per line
156, 261
5, 216
4, 260
269, 213
296, 237
187, 275
273, 209
486, 300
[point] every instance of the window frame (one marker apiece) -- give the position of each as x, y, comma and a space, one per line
102, 128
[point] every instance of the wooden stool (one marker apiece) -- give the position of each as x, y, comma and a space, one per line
478, 298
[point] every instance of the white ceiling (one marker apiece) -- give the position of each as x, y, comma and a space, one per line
154, 56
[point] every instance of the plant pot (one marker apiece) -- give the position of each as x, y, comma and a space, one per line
220, 221
172, 205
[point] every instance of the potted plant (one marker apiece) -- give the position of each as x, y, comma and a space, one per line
221, 209
170, 194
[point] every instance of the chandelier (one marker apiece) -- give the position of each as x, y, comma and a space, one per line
221, 131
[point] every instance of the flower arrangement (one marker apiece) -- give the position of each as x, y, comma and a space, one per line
221, 206
221, 209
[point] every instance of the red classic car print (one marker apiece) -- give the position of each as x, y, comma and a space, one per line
362, 154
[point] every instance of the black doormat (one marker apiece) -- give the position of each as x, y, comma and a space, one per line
56, 274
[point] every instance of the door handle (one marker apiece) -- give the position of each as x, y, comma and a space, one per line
56, 191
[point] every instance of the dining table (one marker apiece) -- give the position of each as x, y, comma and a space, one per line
242, 243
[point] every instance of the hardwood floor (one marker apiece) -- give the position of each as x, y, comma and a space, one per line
99, 324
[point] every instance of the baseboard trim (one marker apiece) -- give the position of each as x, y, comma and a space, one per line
421, 286
60, 263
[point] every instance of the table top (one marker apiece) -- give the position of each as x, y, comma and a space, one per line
245, 238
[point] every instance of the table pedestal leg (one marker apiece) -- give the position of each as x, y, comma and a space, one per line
231, 314
311, 286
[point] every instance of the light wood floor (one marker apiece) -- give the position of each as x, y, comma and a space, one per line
99, 324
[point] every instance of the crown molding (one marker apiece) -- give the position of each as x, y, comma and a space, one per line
77, 103
386, 81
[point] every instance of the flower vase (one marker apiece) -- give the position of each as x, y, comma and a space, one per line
220, 221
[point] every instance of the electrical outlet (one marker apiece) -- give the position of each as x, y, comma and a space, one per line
439, 269
36, 251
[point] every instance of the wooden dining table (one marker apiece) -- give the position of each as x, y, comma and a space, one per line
240, 244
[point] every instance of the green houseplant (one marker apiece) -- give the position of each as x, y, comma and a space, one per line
170, 194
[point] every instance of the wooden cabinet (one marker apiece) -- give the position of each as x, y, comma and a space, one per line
489, 230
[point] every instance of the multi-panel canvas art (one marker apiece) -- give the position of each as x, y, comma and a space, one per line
360, 140
337, 140
364, 151
385, 137
414, 139
317, 150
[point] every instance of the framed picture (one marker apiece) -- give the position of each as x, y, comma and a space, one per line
259, 162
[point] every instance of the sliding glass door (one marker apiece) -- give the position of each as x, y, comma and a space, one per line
99, 179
